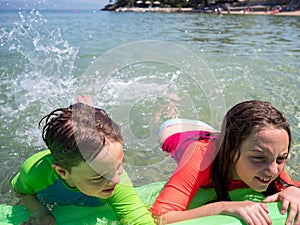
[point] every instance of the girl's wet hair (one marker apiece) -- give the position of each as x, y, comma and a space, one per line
237, 125
78, 133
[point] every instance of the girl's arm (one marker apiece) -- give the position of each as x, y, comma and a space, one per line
192, 173
285, 177
250, 212
289, 197
290, 200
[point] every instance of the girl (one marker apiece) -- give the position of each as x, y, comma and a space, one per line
250, 152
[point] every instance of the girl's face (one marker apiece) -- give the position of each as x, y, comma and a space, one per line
100, 176
263, 156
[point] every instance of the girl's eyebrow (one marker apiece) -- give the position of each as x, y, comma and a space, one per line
258, 151
284, 155
261, 152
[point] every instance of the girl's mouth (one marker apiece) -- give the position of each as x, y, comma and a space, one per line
264, 180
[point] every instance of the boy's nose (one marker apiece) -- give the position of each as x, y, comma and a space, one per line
115, 179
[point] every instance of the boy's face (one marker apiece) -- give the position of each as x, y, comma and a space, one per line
100, 176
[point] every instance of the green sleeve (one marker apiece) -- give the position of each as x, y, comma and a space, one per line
128, 205
35, 174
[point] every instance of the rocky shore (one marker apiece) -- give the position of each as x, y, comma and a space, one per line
233, 10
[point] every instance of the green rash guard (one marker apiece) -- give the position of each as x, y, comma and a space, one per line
37, 177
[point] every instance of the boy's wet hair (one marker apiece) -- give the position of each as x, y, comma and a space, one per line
237, 125
78, 133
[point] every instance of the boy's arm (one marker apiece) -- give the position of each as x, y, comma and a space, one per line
128, 205
29, 181
40, 215
32, 203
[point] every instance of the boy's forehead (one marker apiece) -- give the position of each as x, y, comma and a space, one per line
84, 168
103, 163
108, 158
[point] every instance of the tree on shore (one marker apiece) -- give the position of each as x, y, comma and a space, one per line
290, 4
175, 3
197, 3
163, 3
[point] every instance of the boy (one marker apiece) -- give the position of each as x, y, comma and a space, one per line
83, 167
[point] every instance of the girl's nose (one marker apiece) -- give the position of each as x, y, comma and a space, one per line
273, 168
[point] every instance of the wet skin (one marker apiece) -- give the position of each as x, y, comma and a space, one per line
263, 156
100, 176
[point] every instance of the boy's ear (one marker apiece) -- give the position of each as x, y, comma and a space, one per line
63, 173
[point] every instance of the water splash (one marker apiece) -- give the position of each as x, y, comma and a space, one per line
43, 80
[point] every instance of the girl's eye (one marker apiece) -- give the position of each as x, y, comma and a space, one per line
258, 159
280, 160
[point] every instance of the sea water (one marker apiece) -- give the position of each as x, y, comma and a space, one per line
142, 68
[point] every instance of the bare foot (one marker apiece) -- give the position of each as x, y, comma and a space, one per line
85, 99
169, 110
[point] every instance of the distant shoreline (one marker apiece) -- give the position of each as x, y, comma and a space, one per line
233, 11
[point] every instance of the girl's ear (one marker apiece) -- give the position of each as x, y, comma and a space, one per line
63, 173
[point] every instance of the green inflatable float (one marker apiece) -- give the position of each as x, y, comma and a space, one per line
104, 215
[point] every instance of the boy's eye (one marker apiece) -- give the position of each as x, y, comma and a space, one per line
120, 167
97, 180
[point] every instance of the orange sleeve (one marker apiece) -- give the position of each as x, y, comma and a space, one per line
285, 177
191, 173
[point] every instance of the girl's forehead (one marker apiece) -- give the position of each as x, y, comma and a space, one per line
269, 139
267, 132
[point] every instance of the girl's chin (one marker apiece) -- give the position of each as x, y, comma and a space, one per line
260, 188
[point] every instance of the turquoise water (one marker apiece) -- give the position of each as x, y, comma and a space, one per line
142, 68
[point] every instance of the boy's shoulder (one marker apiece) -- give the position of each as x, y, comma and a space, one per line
38, 160
36, 173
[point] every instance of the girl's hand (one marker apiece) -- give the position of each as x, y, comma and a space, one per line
290, 198
252, 213
38, 218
